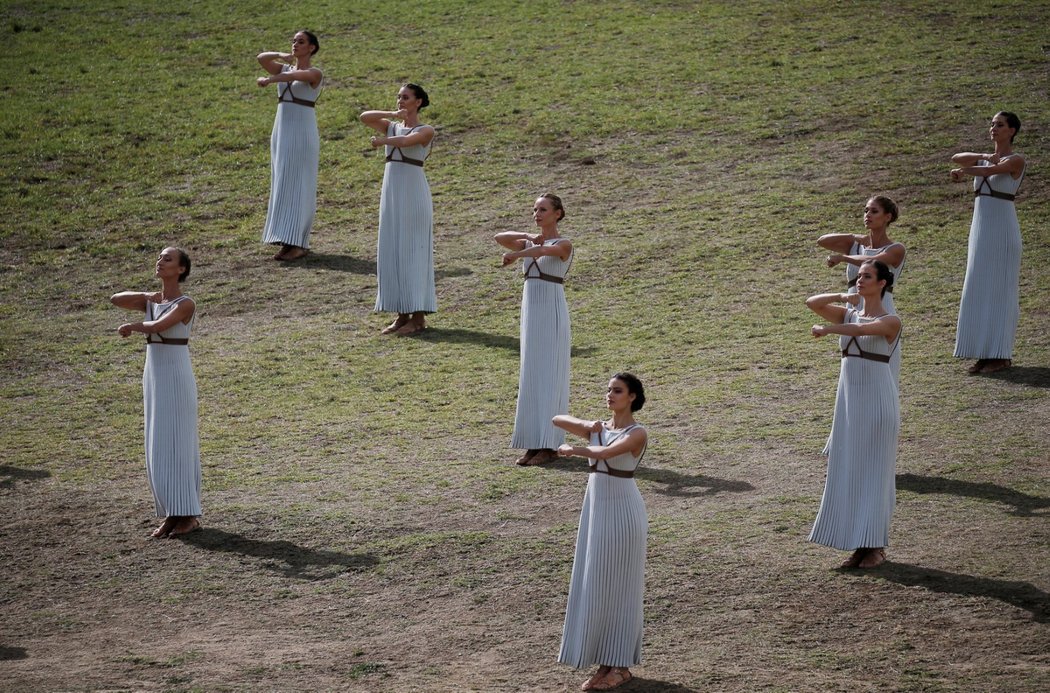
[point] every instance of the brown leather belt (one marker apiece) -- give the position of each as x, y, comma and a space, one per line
618, 473
546, 278
404, 160
996, 194
168, 340
868, 355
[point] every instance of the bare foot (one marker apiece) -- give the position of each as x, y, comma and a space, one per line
280, 254
542, 457
184, 526
294, 252
996, 365
595, 678
854, 560
164, 529
524, 459
417, 323
402, 318
977, 366
874, 559
614, 679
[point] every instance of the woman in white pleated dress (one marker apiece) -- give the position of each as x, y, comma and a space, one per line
169, 395
990, 309
860, 490
295, 146
543, 379
603, 615
405, 253
853, 249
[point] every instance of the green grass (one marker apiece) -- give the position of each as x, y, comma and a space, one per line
358, 490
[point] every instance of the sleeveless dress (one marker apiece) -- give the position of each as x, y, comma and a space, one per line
603, 616
543, 380
887, 301
294, 154
405, 256
860, 490
169, 398
989, 308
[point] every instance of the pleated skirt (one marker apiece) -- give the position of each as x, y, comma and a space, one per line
603, 616
405, 255
990, 309
294, 155
543, 379
860, 490
173, 461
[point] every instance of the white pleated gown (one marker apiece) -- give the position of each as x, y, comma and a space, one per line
603, 616
543, 380
990, 309
887, 300
295, 149
860, 490
405, 256
169, 398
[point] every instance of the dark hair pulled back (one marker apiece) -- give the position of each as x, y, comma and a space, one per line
420, 93
882, 273
634, 386
1012, 121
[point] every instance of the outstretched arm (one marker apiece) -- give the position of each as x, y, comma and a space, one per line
892, 255
633, 442
421, 136
1013, 165
888, 326
560, 250
823, 305
380, 120
131, 300
313, 76
515, 240
274, 61
579, 427
840, 242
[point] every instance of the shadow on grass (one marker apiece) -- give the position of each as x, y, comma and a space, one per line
339, 263
681, 485
460, 336
639, 683
9, 475
10, 653
1023, 595
1036, 376
283, 557
1024, 505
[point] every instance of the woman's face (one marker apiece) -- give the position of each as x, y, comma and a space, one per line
406, 99
301, 47
618, 397
999, 130
543, 212
868, 282
875, 217
168, 264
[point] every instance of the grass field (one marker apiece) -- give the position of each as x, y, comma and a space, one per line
365, 528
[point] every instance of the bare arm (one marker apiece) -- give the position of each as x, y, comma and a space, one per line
887, 326
180, 313
515, 240
560, 250
579, 427
131, 300
824, 305
969, 158
380, 120
313, 76
421, 136
274, 61
892, 255
839, 242
633, 442
1012, 165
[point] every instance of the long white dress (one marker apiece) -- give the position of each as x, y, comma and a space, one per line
295, 149
887, 299
169, 398
860, 490
405, 256
543, 380
603, 616
989, 309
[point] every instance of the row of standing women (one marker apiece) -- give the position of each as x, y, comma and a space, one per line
603, 623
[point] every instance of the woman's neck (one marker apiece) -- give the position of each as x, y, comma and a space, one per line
1003, 149
549, 232
622, 419
873, 306
879, 237
302, 63
411, 120
171, 289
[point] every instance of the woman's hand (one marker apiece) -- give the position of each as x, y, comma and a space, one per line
125, 329
378, 141
818, 331
263, 81
509, 258
596, 427
565, 450
956, 175
834, 259
851, 299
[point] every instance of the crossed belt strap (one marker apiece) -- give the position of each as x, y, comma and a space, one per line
870, 355
619, 473
990, 192
540, 274
292, 98
853, 282
161, 339
404, 159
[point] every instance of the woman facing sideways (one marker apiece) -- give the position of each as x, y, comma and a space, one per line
169, 394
